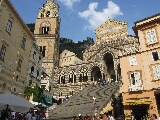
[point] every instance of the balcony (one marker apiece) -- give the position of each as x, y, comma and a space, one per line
136, 87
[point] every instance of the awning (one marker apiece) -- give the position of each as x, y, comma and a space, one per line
137, 102
106, 109
47, 99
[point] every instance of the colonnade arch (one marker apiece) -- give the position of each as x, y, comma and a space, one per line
109, 69
95, 73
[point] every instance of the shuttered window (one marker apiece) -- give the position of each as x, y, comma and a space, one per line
156, 72
151, 36
132, 60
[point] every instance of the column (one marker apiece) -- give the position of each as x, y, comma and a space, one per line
89, 76
116, 74
102, 76
93, 78
73, 78
60, 79
77, 78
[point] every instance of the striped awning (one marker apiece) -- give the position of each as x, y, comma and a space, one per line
106, 109
137, 102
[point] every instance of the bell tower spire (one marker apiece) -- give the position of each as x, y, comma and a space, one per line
47, 34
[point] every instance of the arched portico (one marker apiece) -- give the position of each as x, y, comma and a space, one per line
109, 71
96, 73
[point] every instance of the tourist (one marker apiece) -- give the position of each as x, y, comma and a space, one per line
104, 117
153, 117
29, 116
111, 117
34, 117
74, 117
98, 117
94, 100
95, 83
90, 117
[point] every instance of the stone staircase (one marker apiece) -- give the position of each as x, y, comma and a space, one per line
82, 102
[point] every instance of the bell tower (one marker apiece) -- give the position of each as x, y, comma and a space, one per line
47, 34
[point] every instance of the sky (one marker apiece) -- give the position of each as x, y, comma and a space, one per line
79, 18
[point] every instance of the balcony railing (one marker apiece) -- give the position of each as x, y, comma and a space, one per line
136, 87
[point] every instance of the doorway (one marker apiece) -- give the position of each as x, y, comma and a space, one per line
139, 111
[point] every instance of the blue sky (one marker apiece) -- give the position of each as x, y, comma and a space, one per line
79, 18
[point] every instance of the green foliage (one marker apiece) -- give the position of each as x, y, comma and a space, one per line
31, 26
36, 92
28, 90
77, 48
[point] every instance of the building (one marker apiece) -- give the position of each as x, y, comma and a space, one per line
140, 90
100, 60
35, 66
47, 35
47, 32
68, 58
16, 43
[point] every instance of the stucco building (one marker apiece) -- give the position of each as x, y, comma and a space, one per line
35, 66
140, 71
15, 45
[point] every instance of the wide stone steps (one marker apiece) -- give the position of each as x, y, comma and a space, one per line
82, 102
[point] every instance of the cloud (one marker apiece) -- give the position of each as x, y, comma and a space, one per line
69, 3
96, 18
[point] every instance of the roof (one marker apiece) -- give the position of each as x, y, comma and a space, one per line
10, 5
147, 18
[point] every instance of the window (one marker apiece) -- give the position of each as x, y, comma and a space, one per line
48, 14
135, 78
34, 55
23, 43
45, 30
155, 56
9, 26
39, 60
14, 89
37, 73
156, 72
32, 69
43, 87
132, 79
2, 53
17, 78
19, 65
132, 60
151, 36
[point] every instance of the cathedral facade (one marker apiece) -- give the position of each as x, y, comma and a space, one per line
100, 61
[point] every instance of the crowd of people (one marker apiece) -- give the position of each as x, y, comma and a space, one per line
97, 117
9, 115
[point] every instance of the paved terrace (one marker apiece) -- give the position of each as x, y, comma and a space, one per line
82, 102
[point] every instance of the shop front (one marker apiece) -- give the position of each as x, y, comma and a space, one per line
139, 105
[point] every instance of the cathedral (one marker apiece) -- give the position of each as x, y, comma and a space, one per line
100, 61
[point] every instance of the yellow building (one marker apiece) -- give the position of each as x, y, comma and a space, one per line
141, 71
16, 42
68, 58
35, 66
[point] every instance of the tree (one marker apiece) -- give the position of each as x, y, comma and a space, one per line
36, 92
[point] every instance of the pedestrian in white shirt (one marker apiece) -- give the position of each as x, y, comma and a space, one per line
29, 116
94, 100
